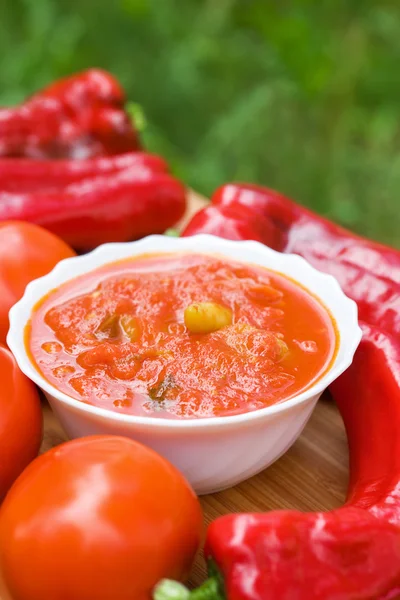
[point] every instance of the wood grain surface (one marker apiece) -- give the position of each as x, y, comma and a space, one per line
312, 475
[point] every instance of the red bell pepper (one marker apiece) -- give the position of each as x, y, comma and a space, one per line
91, 210
81, 116
351, 553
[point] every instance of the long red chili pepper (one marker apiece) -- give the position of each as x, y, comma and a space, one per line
116, 207
352, 553
22, 175
80, 116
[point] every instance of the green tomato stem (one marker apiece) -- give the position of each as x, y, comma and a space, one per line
172, 590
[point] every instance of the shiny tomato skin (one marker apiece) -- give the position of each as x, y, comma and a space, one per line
98, 518
27, 252
20, 421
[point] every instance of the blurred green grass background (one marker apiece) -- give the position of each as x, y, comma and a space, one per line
302, 96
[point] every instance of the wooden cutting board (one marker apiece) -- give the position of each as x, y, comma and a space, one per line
312, 475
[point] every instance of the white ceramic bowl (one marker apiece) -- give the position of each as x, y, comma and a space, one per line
213, 453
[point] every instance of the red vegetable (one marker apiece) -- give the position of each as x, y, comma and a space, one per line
351, 553
26, 253
347, 554
368, 397
114, 199
22, 175
80, 116
20, 421
236, 222
97, 518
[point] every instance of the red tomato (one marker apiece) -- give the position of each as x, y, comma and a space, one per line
26, 253
101, 518
20, 421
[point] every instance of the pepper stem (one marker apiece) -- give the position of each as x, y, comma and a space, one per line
172, 233
172, 590
137, 116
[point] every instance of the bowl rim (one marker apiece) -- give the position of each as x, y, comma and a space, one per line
203, 244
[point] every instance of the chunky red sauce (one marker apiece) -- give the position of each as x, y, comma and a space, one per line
132, 337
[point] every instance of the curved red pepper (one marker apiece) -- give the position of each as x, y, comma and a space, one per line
117, 207
238, 222
351, 553
22, 175
368, 397
81, 116
346, 554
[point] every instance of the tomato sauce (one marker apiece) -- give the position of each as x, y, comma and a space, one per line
181, 336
